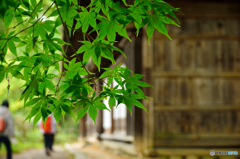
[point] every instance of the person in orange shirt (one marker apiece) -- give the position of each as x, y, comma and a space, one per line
49, 129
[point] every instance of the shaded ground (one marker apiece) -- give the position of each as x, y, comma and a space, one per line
90, 151
59, 153
72, 151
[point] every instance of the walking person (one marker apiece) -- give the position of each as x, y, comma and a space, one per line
6, 127
48, 130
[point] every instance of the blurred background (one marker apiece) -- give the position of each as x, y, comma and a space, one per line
196, 79
196, 95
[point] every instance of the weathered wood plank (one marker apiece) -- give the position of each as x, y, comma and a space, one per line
203, 55
234, 90
175, 54
236, 85
238, 54
203, 89
199, 37
173, 91
217, 57
196, 108
159, 91
188, 51
175, 95
227, 94
210, 74
192, 157
168, 57
236, 120
234, 55
190, 26
226, 49
180, 143
172, 123
167, 92
217, 94
228, 157
175, 157
159, 58
205, 9
208, 157
232, 26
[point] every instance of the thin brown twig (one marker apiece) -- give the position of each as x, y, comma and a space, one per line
29, 16
105, 83
27, 27
57, 86
80, 32
65, 30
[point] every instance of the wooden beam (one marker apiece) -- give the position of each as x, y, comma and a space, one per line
207, 9
160, 36
194, 143
196, 74
194, 107
197, 136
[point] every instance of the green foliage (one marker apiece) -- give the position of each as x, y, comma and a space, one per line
32, 39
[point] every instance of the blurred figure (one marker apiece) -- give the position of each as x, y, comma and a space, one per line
48, 130
6, 127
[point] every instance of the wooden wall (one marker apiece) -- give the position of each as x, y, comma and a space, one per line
196, 100
197, 84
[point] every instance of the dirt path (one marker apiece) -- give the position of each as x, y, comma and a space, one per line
90, 151
59, 153
72, 151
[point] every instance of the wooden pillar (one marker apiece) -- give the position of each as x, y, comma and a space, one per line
99, 123
113, 122
138, 113
148, 126
130, 123
83, 129
129, 50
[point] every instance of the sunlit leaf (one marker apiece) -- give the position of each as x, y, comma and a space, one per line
82, 112
37, 118
112, 102
137, 103
93, 113
100, 105
57, 113
8, 17
67, 109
